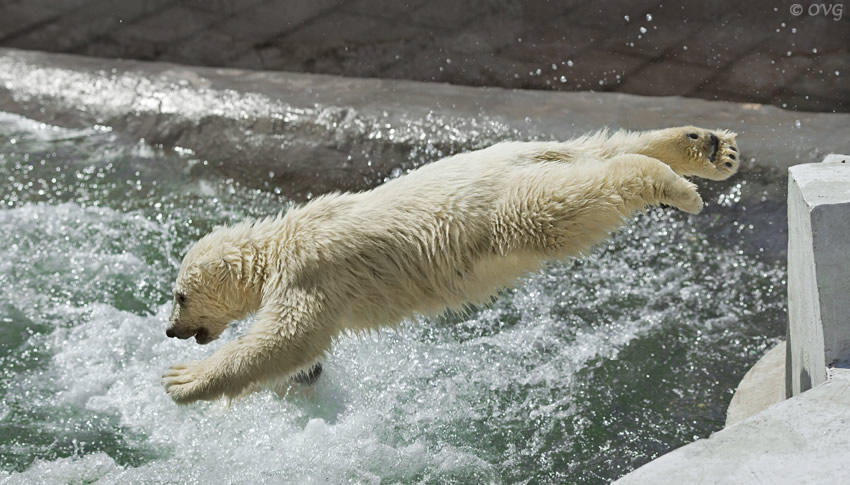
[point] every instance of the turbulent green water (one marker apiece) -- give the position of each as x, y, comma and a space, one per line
578, 375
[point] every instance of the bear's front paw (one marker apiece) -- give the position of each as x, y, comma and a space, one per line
187, 383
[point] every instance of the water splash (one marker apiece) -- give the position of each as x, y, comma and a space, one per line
580, 374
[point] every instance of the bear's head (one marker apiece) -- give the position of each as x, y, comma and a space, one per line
212, 289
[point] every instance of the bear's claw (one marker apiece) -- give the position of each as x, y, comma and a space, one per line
310, 376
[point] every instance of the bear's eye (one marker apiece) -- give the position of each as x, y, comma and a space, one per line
180, 297
693, 136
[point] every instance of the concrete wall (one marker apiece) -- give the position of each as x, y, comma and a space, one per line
818, 271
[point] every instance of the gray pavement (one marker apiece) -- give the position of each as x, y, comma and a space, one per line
757, 51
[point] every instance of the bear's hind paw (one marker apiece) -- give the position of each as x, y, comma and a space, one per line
684, 196
710, 154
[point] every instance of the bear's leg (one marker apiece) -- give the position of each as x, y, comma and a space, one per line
643, 181
229, 371
290, 333
239, 365
688, 150
564, 211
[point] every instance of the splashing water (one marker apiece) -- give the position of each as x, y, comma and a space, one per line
580, 374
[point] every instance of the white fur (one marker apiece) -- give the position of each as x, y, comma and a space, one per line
447, 234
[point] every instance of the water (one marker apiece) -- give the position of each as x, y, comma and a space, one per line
579, 375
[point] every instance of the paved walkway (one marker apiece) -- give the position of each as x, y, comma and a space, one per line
756, 51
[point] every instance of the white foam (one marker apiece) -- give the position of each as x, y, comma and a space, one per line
370, 419
111, 364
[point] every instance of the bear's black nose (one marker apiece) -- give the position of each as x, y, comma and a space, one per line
170, 333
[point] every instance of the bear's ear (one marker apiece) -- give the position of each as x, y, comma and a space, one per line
224, 264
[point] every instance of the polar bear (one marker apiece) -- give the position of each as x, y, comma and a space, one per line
447, 234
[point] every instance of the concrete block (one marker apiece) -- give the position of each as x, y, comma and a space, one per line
818, 271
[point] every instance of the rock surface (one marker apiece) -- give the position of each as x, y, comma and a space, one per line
762, 386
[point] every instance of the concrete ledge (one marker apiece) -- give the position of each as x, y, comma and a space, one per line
800, 440
818, 271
